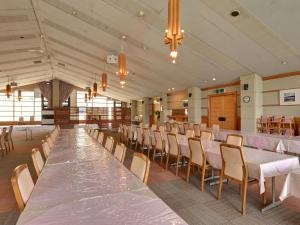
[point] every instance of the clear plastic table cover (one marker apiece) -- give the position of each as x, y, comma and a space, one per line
82, 183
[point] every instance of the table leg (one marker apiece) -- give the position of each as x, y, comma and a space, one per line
273, 204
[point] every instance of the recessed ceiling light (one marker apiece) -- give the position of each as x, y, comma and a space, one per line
145, 47
124, 37
214, 79
141, 13
235, 13
74, 12
173, 88
169, 89
284, 62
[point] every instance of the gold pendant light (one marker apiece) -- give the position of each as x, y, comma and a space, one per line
19, 95
104, 81
89, 94
174, 34
8, 90
95, 89
122, 72
85, 97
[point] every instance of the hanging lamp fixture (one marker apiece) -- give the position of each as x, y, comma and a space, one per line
19, 95
85, 97
8, 90
89, 94
122, 72
174, 34
95, 89
104, 81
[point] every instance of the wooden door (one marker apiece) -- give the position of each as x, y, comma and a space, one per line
223, 106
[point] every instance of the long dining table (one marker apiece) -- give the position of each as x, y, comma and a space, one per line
261, 164
82, 183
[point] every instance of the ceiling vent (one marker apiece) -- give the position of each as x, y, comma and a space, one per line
112, 59
37, 62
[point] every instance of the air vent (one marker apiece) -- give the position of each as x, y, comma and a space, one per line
61, 64
37, 61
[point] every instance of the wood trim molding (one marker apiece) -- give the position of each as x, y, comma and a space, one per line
270, 105
236, 83
282, 75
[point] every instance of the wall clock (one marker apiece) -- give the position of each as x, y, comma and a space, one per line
246, 99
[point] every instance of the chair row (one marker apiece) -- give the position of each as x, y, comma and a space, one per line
140, 163
284, 125
21, 179
6, 141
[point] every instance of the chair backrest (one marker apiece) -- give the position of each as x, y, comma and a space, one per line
49, 141
92, 132
38, 161
173, 144
101, 138
175, 125
22, 184
162, 128
197, 153
154, 127
203, 126
109, 144
46, 148
186, 127
159, 144
139, 135
95, 134
147, 140
206, 135
189, 133
120, 152
10, 130
140, 166
174, 130
181, 128
168, 127
216, 127
233, 163
197, 130
234, 139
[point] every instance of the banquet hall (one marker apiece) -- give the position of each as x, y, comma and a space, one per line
149, 112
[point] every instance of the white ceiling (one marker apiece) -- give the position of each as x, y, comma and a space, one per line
80, 34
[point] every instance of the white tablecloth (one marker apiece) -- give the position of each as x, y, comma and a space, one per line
82, 183
291, 186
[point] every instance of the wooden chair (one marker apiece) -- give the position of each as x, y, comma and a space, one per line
38, 161
174, 150
186, 127
265, 124
147, 144
168, 127
203, 126
101, 138
197, 130
9, 137
159, 145
22, 184
46, 149
162, 128
154, 127
189, 133
95, 134
120, 152
140, 138
50, 142
234, 167
174, 130
140, 166
109, 144
129, 134
206, 135
2, 145
288, 126
235, 139
275, 124
181, 129
6, 139
197, 158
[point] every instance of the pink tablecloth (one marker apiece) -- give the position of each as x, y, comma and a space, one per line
261, 164
82, 183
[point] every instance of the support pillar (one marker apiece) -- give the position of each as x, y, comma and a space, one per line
194, 105
251, 89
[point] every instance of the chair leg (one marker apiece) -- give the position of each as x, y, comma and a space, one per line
188, 171
161, 158
244, 197
154, 151
202, 177
220, 185
12, 144
177, 162
167, 161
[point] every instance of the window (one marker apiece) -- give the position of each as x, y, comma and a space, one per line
29, 107
103, 102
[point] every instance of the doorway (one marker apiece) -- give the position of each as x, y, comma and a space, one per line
222, 110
